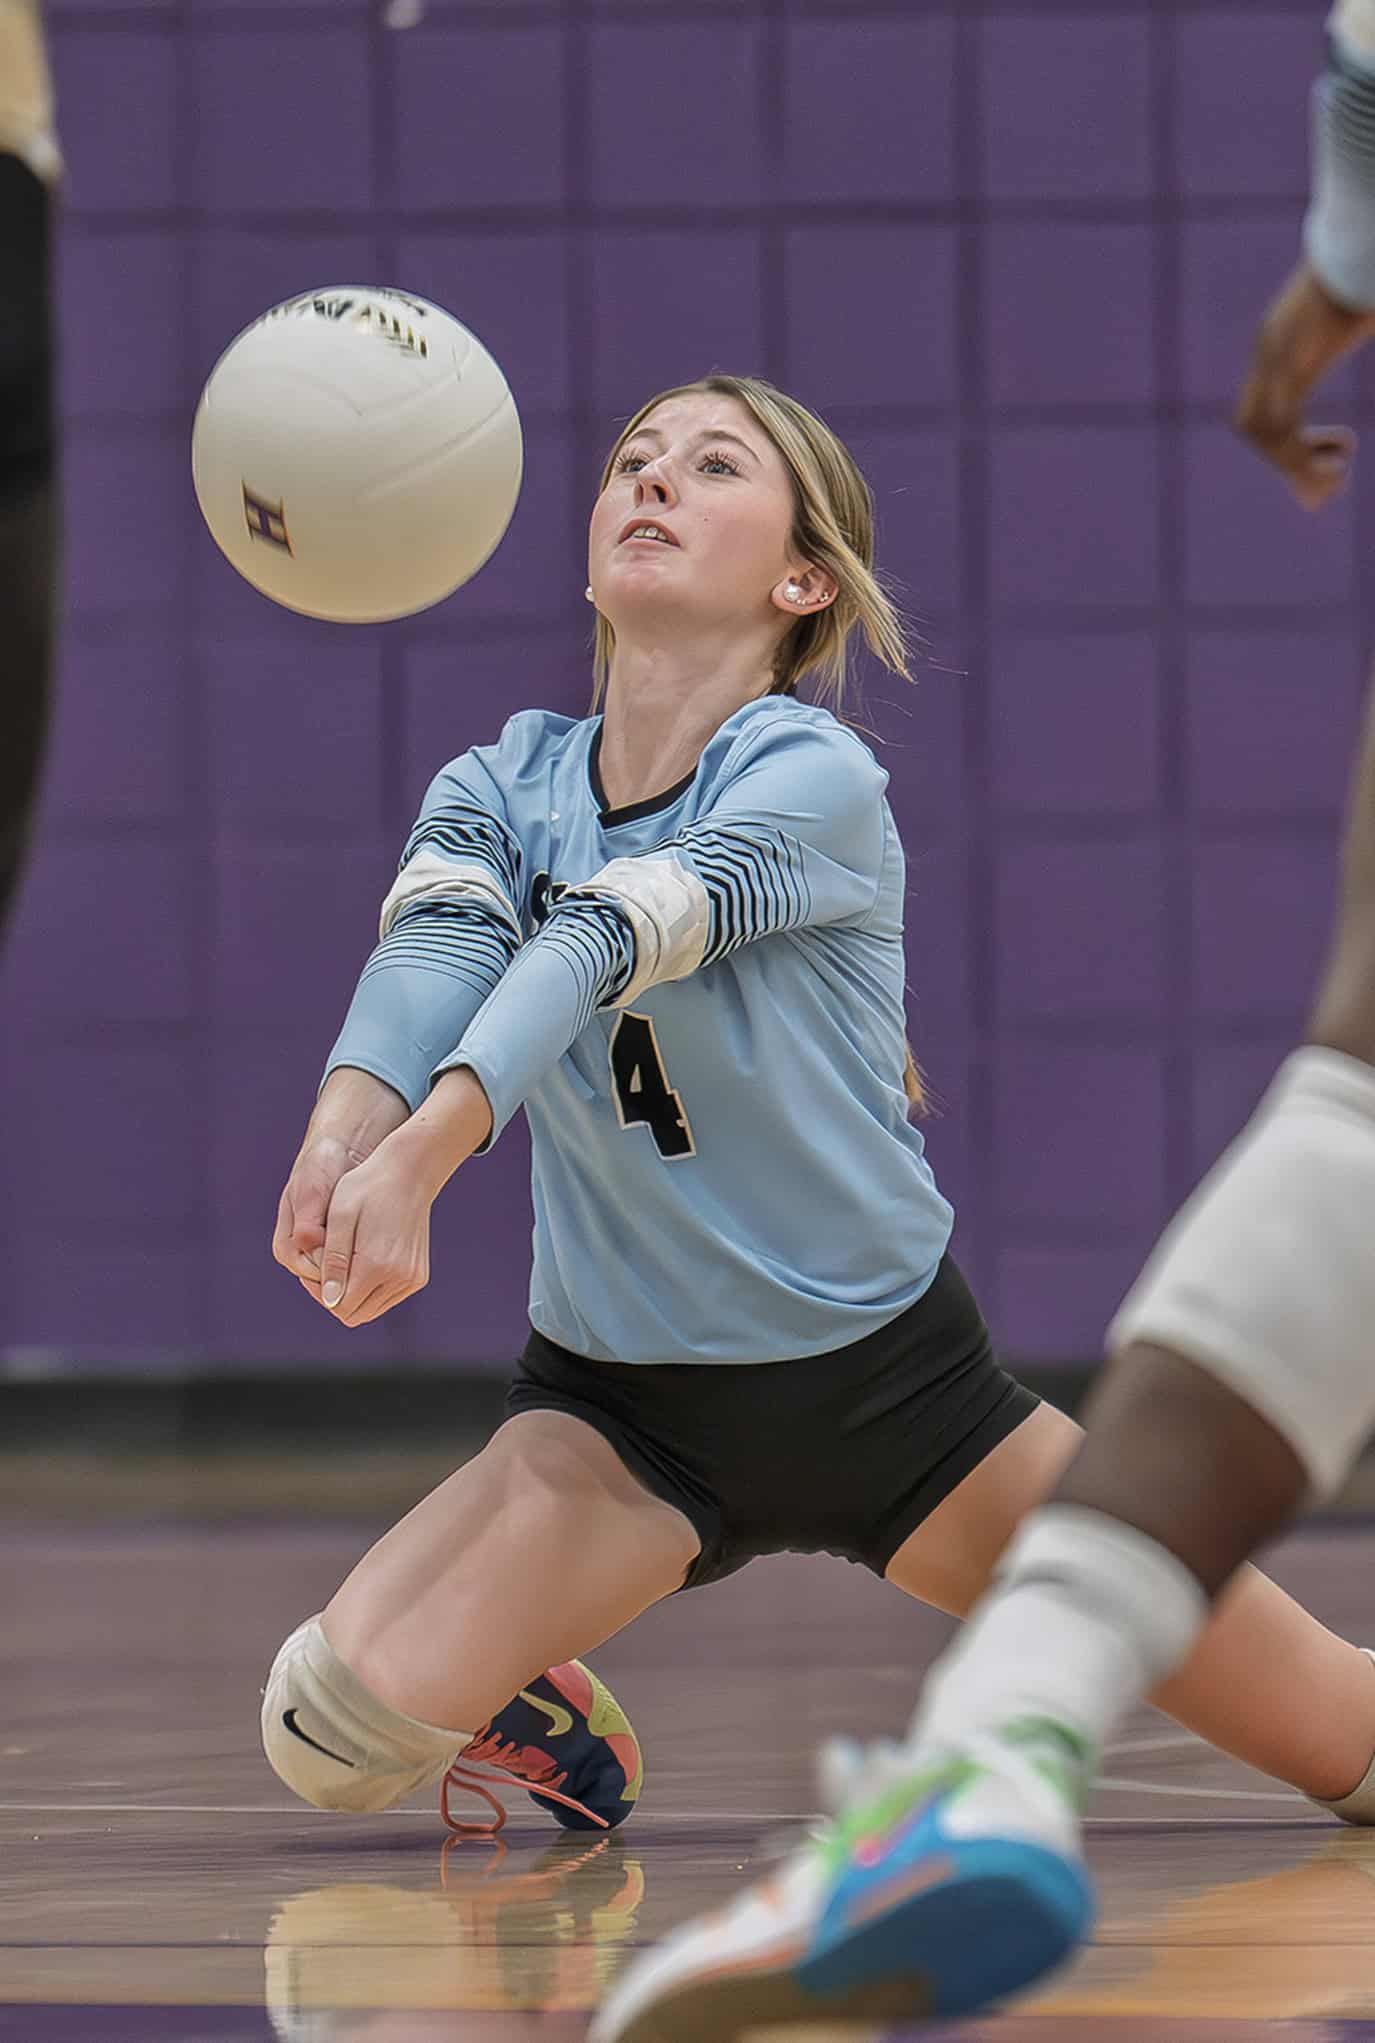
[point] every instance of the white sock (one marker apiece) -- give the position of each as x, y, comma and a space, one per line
1084, 1617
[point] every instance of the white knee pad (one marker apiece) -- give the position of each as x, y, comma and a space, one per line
332, 1741
1266, 1277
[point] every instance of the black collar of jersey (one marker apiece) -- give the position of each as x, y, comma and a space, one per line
609, 818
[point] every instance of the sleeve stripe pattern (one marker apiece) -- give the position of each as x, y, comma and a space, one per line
447, 936
667, 914
754, 880
465, 831
458, 915
428, 878
1349, 105
595, 941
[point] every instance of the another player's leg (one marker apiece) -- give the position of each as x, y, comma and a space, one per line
1244, 1381
455, 1636
1315, 1729
764, 1961
957, 1862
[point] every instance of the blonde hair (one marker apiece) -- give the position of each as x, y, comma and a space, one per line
833, 528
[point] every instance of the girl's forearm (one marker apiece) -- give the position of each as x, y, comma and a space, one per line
357, 1109
444, 1132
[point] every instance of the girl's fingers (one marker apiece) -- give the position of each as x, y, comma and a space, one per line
336, 1262
377, 1301
384, 1295
281, 1239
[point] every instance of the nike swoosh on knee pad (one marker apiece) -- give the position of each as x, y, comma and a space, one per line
289, 1719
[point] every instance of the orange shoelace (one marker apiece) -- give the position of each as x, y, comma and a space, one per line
538, 1774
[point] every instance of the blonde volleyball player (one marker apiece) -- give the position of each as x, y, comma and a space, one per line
1242, 1384
673, 932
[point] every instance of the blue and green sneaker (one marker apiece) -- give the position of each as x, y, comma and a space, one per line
951, 1878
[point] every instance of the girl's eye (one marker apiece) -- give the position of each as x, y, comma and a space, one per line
624, 462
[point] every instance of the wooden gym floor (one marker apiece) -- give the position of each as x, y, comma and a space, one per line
157, 1885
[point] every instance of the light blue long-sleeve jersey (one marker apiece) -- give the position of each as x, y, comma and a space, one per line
698, 1001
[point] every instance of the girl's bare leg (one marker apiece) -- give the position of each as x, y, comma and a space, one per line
1266, 1682
531, 1554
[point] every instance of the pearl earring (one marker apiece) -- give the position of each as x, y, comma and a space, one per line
792, 592
587, 593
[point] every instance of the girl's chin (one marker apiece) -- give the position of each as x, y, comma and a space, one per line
643, 596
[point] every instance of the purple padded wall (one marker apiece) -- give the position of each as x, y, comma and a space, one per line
1014, 253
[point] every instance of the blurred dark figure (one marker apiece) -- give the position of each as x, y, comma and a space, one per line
29, 166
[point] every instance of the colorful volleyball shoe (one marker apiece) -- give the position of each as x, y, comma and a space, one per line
950, 1879
567, 1741
964, 1873
737, 1970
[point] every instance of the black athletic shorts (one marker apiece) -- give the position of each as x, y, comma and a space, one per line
842, 1453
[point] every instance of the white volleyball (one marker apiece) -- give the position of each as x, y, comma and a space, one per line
356, 454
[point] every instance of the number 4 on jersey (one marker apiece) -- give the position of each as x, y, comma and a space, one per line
640, 1087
